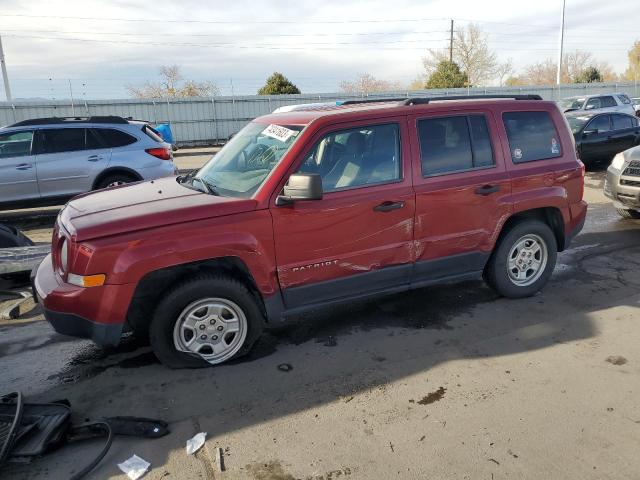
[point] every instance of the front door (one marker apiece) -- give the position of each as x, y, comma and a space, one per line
461, 187
357, 240
624, 133
594, 146
17, 167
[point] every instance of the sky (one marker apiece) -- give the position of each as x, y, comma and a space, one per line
97, 48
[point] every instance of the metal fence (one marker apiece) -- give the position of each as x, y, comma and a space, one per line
205, 121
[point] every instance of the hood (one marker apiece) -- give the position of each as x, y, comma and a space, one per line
144, 205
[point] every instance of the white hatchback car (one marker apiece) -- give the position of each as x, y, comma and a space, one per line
49, 160
604, 102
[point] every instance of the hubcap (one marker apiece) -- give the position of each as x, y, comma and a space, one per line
212, 328
527, 260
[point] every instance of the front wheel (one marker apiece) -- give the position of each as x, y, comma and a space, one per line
205, 321
625, 213
523, 260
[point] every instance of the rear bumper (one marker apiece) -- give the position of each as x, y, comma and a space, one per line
97, 313
578, 218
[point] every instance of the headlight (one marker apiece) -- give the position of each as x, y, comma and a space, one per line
618, 161
64, 255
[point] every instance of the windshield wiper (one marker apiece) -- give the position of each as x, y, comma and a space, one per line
209, 187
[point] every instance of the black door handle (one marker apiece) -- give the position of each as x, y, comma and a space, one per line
388, 206
487, 189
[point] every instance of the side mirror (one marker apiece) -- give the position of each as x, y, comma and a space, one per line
590, 107
301, 186
591, 131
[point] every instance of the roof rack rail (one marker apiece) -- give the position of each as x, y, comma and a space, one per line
371, 100
61, 120
426, 100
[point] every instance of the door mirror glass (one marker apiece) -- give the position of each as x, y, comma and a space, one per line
301, 186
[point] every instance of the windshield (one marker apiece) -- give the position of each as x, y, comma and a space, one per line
244, 162
576, 123
571, 104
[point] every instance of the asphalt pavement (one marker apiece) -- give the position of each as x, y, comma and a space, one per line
448, 382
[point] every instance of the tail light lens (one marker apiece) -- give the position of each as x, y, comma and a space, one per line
161, 152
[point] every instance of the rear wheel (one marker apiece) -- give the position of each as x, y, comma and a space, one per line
115, 180
523, 260
624, 213
205, 321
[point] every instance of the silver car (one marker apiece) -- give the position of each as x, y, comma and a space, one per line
604, 102
52, 159
622, 183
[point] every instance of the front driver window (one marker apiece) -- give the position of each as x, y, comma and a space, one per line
356, 157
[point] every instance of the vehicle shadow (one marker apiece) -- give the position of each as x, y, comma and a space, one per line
346, 351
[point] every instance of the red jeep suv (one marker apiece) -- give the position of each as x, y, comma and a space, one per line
318, 205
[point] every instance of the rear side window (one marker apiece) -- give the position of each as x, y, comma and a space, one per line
112, 138
16, 144
622, 122
57, 140
624, 99
152, 134
609, 101
532, 136
454, 144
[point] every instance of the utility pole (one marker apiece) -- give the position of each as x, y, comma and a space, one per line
561, 42
451, 43
73, 108
5, 77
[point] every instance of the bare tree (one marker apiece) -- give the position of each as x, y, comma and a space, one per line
367, 83
471, 52
171, 85
504, 71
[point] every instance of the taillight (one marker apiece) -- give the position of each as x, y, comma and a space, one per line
160, 152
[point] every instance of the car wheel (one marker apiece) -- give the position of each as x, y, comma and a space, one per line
115, 180
205, 321
523, 260
624, 213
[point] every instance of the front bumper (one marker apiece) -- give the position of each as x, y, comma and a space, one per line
624, 190
97, 313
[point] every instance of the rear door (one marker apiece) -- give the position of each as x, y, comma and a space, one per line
624, 133
68, 160
358, 239
462, 189
17, 167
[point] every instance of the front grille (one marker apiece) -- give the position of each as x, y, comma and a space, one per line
630, 183
633, 169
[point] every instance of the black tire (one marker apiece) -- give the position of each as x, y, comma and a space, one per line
115, 179
496, 272
624, 213
178, 298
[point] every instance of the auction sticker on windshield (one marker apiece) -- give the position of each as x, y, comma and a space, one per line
279, 133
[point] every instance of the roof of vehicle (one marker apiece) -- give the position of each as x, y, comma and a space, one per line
606, 94
111, 119
306, 113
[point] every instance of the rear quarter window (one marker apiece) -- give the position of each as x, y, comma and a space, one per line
152, 133
532, 136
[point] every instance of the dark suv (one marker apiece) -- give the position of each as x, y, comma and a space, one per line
313, 207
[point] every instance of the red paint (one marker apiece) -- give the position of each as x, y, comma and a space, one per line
129, 231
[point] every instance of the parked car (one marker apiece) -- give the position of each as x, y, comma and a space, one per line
636, 105
49, 160
315, 207
601, 136
610, 102
622, 183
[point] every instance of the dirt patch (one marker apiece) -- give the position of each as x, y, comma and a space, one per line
433, 397
269, 471
616, 360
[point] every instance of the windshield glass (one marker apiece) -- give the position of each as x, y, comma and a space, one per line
576, 123
244, 162
571, 104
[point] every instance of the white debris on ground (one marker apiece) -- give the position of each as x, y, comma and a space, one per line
194, 444
135, 467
